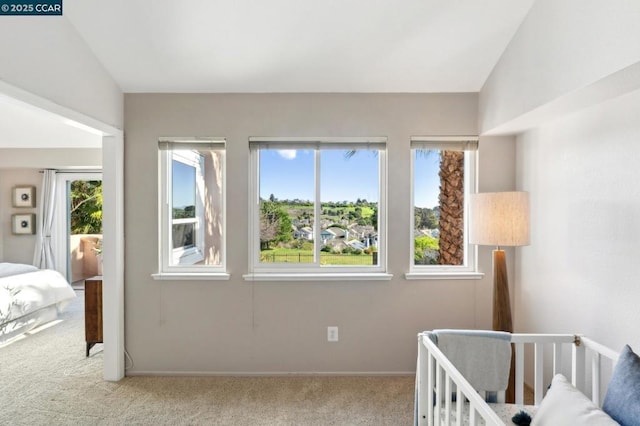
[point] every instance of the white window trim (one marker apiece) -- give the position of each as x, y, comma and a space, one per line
186, 269
297, 272
447, 272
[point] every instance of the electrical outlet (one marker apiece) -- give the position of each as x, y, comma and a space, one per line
332, 334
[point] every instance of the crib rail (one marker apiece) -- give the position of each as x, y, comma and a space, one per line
437, 378
435, 372
539, 341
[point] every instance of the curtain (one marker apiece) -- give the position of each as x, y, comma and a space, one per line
43, 256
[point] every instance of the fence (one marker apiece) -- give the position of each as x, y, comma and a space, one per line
325, 258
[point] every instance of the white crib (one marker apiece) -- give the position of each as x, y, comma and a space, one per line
436, 377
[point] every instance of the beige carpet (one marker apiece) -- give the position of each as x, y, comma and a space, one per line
45, 379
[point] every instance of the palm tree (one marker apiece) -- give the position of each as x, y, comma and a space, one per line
451, 224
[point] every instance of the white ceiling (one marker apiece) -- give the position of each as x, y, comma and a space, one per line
298, 45
278, 46
23, 126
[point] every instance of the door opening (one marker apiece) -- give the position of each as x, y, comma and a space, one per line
84, 207
79, 248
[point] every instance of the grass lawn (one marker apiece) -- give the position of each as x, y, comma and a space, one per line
287, 255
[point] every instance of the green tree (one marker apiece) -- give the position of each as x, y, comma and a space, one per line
275, 225
422, 243
86, 207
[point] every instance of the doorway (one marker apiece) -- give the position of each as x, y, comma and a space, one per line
113, 221
79, 234
84, 215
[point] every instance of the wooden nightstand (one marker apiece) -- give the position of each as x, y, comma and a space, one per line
93, 311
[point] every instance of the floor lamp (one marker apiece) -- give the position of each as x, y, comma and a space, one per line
500, 219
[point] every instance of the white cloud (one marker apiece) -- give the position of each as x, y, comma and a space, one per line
288, 154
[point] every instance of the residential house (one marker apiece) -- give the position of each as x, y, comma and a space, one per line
305, 233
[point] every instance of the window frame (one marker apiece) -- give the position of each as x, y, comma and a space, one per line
187, 267
468, 270
314, 271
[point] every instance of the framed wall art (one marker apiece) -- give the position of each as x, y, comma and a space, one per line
24, 224
24, 196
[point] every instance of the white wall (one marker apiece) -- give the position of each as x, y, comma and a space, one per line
566, 55
45, 56
50, 158
252, 327
581, 271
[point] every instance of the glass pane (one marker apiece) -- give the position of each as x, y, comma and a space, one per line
438, 218
349, 190
197, 206
183, 190
286, 205
184, 235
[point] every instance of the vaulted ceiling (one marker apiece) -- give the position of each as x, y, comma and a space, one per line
298, 45
240, 46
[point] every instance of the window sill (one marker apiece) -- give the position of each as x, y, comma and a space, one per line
191, 276
341, 276
444, 275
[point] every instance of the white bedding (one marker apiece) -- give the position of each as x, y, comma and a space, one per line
8, 269
27, 292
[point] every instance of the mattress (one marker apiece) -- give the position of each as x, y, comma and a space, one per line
23, 294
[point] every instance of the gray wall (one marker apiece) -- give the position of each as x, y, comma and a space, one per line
21, 167
16, 248
265, 327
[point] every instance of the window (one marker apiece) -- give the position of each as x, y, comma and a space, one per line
443, 176
192, 237
317, 206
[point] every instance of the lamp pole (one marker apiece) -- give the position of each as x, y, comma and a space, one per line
501, 299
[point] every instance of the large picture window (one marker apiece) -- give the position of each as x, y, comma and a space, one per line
443, 176
318, 206
192, 237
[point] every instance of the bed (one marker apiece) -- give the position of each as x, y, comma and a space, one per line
29, 297
568, 373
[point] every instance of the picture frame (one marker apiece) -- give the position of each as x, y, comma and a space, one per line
24, 196
23, 224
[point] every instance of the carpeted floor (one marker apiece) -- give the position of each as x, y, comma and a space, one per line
45, 379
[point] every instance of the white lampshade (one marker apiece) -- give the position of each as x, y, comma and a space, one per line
499, 219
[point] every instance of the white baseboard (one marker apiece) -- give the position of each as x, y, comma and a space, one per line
270, 373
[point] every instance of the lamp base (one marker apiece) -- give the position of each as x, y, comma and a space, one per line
502, 312
501, 300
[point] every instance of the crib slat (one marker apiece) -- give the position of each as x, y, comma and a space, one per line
429, 393
578, 368
447, 400
519, 373
539, 370
438, 408
459, 404
557, 358
595, 378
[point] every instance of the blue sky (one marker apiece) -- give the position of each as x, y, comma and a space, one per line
289, 174
427, 181
183, 191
